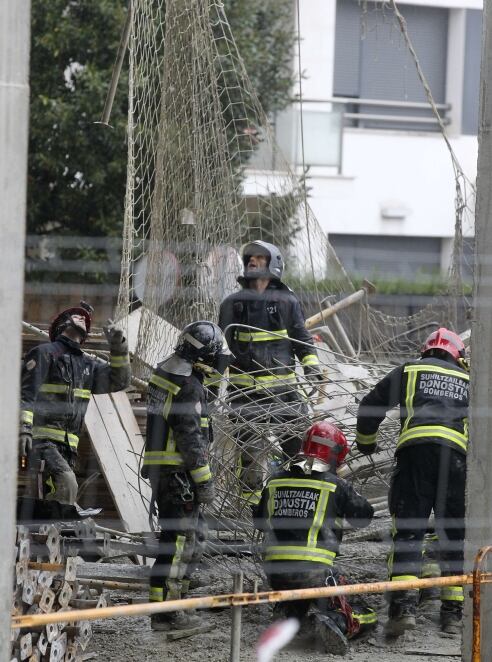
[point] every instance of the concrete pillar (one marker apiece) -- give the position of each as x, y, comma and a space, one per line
479, 479
14, 110
455, 68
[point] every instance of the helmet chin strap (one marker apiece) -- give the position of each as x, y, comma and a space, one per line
69, 323
254, 274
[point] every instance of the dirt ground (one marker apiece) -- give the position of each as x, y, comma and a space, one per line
132, 640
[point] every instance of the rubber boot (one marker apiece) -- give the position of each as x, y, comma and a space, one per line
329, 633
176, 620
401, 615
451, 617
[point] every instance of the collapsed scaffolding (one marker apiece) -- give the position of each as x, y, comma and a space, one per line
204, 176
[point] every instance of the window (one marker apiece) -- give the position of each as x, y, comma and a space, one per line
372, 62
388, 257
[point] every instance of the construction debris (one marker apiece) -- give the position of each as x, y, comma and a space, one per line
46, 582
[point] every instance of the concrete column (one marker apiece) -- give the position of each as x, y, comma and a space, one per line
455, 67
14, 110
479, 479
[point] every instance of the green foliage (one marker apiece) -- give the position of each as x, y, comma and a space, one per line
76, 177
264, 33
77, 169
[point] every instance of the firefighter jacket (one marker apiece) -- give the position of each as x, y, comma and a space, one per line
178, 432
57, 381
264, 359
302, 515
433, 398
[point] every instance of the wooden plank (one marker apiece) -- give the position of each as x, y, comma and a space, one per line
113, 449
136, 441
113, 572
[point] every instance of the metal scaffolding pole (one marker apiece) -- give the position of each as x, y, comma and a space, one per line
14, 114
479, 483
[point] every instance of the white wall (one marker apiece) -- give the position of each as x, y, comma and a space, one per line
317, 46
396, 170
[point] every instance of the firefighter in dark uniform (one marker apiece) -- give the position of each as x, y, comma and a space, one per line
262, 381
176, 461
430, 468
301, 512
57, 381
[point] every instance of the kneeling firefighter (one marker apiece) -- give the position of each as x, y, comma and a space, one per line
300, 512
176, 461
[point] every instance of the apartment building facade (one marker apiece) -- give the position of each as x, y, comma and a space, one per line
381, 177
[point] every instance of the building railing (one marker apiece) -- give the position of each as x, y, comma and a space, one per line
359, 113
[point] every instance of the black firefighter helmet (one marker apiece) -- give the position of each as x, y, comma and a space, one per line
204, 342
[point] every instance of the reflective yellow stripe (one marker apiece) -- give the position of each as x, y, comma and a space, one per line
167, 406
201, 474
452, 593
439, 431
174, 571
433, 368
253, 498
299, 553
365, 439
318, 518
165, 384
54, 388
402, 578
51, 485
119, 361
162, 458
204, 422
156, 594
212, 380
82, 393
411, 383
27, 416
263, 381
54, 434
261, 336
310, 359
365, 619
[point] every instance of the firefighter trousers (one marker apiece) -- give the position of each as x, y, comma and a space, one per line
351, 618
284, 414
427, 477
58, 478
179, 522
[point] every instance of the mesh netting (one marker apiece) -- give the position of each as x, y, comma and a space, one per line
200, 184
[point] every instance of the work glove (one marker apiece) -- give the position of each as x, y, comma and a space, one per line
314, 374
205, 492
115, 337
25, 444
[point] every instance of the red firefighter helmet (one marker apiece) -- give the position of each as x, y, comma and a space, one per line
63, 320
447, 341
325, 442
